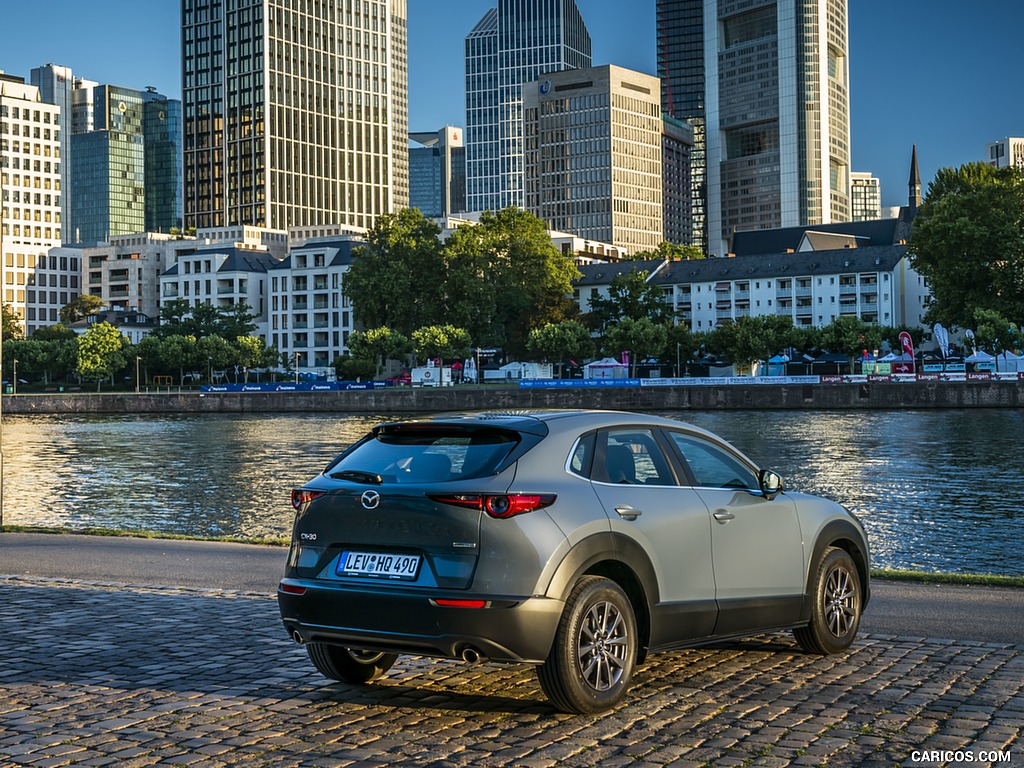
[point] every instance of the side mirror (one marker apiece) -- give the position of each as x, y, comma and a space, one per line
771, 484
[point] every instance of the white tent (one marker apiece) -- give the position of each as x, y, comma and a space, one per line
1009, 363
608, 368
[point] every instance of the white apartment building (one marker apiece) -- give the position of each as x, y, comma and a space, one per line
874, 283
310, 318
30, 206
222, 275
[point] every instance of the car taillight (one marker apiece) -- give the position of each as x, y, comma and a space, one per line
302, 496
500, 506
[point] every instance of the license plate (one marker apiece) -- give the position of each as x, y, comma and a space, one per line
379, 565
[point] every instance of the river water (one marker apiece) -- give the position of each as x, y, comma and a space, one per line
937, 490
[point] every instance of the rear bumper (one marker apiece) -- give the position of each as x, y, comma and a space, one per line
506, 629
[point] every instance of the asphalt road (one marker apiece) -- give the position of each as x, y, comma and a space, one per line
984, 614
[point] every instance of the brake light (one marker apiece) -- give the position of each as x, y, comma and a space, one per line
500, 506
302, 496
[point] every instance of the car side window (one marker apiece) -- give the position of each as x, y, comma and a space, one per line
583, 455
713, 466
633, 457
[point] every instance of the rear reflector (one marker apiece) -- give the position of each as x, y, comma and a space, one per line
500, 506
460, 603
291, 589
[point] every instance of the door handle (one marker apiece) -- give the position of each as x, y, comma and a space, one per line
724, 517
628, 513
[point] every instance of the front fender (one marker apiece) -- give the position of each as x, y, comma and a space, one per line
846, 535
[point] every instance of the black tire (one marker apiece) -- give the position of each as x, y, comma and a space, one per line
595, 649
347, 665
835, 612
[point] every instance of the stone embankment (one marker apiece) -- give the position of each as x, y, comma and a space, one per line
869, 395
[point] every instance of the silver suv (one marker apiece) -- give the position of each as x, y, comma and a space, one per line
575, 541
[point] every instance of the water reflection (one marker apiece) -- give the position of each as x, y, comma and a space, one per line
937, 490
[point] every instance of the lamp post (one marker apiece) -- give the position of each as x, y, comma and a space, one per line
137, 360
209, 368
15, 381
296, 367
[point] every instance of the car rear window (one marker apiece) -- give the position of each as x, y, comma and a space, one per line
416, 454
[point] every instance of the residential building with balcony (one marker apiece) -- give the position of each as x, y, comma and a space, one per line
222, 275
310, 318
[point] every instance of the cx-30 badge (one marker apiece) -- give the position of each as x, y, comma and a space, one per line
370, 499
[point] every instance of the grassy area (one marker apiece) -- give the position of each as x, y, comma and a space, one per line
976, 579
267, 541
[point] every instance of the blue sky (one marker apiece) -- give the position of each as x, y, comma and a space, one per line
943, 74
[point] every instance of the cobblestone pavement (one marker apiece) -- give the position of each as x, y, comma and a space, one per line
99, 674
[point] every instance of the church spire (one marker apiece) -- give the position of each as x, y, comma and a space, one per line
914, 201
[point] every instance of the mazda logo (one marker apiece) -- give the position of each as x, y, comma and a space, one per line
370, 499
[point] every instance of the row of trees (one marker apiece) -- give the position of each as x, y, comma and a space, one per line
190, 339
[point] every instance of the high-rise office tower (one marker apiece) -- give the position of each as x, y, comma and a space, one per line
865, 197
681, 69
775, 98
593, 156
161, 125
295, 114
437, 172
512, 45
56, 84
36, 284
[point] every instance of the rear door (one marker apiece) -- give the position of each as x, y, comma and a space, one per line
644, 501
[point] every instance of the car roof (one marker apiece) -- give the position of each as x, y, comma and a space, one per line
541, 421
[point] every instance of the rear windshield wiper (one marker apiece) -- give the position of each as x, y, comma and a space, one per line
358, 476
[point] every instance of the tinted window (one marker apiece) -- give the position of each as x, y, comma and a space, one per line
418, 455
712, 466
583, 455
633, 457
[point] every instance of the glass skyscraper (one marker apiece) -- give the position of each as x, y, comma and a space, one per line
294, 114
769, 102
512, 45
437, 172
162, 130
108, 173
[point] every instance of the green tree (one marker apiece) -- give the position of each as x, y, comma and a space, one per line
179, 353
968, 243
569, 339
750, 339
850, 336
11, 323
994, 333
377, 345
236, 320
253, 352
629, 296
55, 332
80, 307
101, 353
397, 279
527, 281
217, 353
642, 338
444, 341
673, 252
684, 343
174, 318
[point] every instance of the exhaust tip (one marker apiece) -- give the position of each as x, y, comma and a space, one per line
297, 637
471, 655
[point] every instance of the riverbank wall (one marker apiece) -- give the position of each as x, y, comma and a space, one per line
826, 396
